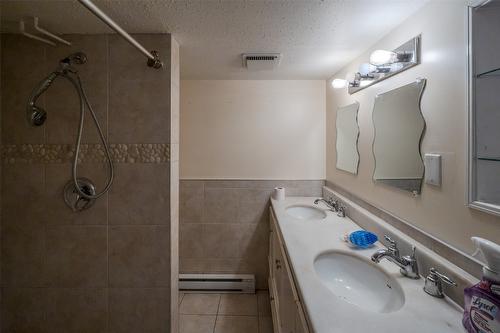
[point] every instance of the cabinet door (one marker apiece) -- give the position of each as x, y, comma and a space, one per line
273, 290
270, 257
277, 268
287, 308
300, 320
288, 316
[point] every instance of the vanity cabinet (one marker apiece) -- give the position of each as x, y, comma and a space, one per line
286, 307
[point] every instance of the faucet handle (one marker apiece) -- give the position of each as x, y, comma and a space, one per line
411, 265
393, 245
433, 285
334, 203
443, 277
341, 211
390, 240
413, 252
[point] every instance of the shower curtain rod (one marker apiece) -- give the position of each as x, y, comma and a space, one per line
153, 56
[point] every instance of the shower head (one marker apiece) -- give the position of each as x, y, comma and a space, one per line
78, 58
37, 115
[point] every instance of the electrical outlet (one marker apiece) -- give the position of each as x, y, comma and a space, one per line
432, 164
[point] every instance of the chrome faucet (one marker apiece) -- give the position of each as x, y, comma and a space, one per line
330, 202
433, 283
407, 264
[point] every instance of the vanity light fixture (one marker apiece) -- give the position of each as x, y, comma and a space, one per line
383, 64
365, 69
383, 57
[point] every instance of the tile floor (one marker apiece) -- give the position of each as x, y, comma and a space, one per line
225, 313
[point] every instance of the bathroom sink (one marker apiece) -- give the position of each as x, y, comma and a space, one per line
359, 282
305, 212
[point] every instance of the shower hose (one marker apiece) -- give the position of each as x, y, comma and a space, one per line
85, 102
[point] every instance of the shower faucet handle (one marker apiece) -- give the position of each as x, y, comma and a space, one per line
74, 199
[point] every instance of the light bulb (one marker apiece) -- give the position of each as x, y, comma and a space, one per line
366, 68
382, 57
338, 83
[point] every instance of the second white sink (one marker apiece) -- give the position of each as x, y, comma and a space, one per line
306, 212
358, 281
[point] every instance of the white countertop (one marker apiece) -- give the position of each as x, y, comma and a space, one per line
305, 240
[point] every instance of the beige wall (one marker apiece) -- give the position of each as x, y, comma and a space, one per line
439, 211
252, 129
270, 133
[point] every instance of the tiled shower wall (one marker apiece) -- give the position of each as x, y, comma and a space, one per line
0, 188
225, 224
107, 269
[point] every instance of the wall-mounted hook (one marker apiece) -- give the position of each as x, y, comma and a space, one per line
48, 33
22, 30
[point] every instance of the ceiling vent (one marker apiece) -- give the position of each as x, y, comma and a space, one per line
261, 61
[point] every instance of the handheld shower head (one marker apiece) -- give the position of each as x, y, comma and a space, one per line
78, 58
36, 115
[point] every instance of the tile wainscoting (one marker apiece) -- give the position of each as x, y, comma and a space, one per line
224, 224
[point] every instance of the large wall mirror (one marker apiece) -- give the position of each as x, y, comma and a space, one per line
347, 138
399, 127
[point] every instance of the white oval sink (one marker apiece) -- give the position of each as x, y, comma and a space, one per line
305, 212
360, 282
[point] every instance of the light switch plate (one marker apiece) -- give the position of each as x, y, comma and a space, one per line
432, 164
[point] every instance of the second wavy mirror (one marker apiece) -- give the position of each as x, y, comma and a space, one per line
399, 127
347, 138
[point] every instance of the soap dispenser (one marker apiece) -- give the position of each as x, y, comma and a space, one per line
482, 301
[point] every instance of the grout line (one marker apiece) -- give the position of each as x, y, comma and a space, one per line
217, 315
107, 194
197, 314
181, 299
237, 315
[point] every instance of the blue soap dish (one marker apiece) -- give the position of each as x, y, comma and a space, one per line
361, 238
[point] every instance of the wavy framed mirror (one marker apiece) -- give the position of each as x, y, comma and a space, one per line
347, 138
399, 129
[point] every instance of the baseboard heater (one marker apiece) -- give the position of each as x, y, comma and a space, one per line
233, 283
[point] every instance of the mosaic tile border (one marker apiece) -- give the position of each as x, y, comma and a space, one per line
89, 153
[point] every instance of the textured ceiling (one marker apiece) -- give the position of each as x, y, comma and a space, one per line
316, 38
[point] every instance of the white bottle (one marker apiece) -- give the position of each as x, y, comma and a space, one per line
482, 301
